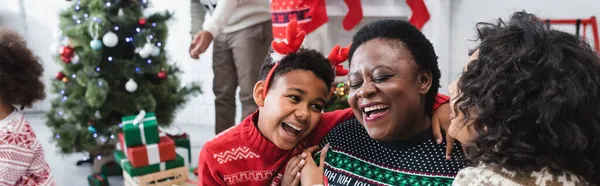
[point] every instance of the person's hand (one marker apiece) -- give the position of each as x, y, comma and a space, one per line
292, 170
311, 173
440, 121
201, 41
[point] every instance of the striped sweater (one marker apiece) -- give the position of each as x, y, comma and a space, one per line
21, 155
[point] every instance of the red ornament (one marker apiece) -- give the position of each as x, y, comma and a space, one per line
91, 122
65, 60
162, 75
142, 21
60, 75
66, 51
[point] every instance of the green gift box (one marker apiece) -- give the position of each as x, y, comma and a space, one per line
97, 180
140, 129
140, 171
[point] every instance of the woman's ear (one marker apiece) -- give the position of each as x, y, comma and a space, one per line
425, 79
259, 89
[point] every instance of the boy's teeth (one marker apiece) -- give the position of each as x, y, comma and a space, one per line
375, 107
294, 127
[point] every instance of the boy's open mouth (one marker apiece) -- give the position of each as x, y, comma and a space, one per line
291, 129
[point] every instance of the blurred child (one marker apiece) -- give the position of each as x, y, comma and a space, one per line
21, 155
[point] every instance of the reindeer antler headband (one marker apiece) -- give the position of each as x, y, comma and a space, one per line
294, 38
336, 57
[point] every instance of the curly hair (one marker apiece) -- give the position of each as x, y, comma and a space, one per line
419, 46
20, 71
304, 59
533, 96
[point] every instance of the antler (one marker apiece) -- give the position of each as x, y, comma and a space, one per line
294, 37
336, 57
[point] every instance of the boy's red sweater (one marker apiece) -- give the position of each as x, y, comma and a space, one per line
242, 156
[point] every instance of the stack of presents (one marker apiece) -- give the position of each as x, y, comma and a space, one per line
147, 156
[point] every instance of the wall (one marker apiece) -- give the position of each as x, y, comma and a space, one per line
466, 13
42, 20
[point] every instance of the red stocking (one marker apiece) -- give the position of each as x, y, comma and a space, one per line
354, 15
420, 14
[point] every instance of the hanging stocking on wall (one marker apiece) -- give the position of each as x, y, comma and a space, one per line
310, 14
420, 14
354, 15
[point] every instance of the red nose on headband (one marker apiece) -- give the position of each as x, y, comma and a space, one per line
336, 57
294, 38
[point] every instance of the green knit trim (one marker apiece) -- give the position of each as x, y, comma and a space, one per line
369, 171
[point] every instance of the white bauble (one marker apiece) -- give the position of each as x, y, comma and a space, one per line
55, 48
144, 54
156, 51
75, 59
110, 39
148, 47
131, 85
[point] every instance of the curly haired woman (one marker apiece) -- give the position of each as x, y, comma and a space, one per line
21, 155
527, 107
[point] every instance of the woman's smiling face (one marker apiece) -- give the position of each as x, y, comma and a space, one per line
387, 89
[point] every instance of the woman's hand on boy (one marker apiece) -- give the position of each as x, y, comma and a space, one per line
440, 121
292, 170
311, 173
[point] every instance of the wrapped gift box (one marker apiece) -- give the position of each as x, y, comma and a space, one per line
138, 171
171, 177
140, 129
145, 155
97, 180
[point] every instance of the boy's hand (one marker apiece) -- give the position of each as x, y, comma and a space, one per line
292, 170
201, 41
311, 173
440, 121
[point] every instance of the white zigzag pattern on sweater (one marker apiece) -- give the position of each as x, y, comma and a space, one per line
235, 154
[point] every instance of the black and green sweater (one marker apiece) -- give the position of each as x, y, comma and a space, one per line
356, 159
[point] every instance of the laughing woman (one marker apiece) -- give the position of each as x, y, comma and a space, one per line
528, 107
394, 79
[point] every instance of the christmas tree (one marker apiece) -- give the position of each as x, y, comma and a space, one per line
114, 65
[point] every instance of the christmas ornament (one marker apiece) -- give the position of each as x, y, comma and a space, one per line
60, 75
91, 129
65, 60
131, 85
65, 79
156, 52
66, 51
110, 39
162, 74
148, 50
97, 115
95, 44
91, 122
142, 21
75, 59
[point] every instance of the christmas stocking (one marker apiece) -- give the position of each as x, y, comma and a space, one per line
420, 15
354, 15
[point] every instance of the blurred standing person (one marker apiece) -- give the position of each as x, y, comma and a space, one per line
242, 34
